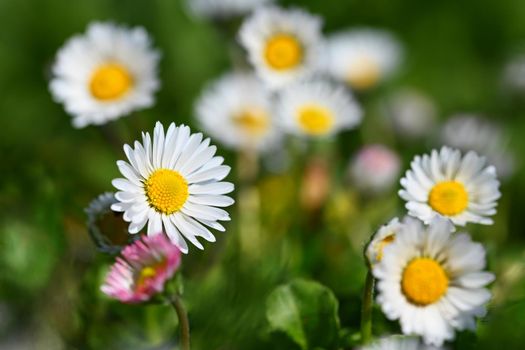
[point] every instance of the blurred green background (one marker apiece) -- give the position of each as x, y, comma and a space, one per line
50, 270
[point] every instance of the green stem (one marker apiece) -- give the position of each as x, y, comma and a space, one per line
184, 323
366, 311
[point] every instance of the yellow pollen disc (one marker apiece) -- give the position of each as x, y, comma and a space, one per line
252, 121
448, 198
424, 281
110, 82
283, 51
315, 120
363, 74
382, 244
166, 191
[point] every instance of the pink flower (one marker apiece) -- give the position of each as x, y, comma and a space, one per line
375, 168
143, 269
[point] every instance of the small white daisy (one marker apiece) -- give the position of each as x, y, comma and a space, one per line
383, 237
282, 45
362, 57
223, 8
433, 282
412, 113
236, 110
445, 183
173, 183
470, 132
106, 73
375, 168
397, 342
317, 109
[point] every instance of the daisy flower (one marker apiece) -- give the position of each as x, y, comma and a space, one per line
396, 342
237, 110
173, 184
445, 183
282, 45
317, 109
383, 237
375, 168
223, 8
142, 270
470, 132
106, 73
362, 57
433, 282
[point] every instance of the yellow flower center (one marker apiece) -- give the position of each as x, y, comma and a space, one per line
283, 51
448, 198
166, 190
315, 120
382, 244
363, 74
424, 281
253, 121
110, 82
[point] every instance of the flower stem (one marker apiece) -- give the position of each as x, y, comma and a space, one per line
366, 311
184, 323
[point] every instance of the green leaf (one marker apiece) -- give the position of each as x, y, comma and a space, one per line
307, 312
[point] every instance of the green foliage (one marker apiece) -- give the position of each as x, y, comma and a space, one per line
307, 312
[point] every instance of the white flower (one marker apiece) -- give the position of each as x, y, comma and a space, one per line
362, 57
383, 237
282, 45
412, 113
396, 342
173, 183
223, 8
433, 282
106, 73
375, 168
318, 109
237, 111
514, 74
445, 183
469, 132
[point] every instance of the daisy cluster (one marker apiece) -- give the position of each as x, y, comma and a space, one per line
304, 84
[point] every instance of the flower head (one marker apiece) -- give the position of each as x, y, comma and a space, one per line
143, 269
317, 109
445, 183
375, 168
432, 281
282, 45
106, 73
173, 183
362, 57
237, 111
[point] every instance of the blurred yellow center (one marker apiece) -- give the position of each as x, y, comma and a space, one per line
252, 121
315, 120
382, 244
448, 198
283, 51
166, 191
363, 74
110, 81
424, 281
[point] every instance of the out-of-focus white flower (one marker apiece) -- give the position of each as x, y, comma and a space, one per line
237, 110
469, 132
282, 45
432, 281
412, 113
445, 183
173, 183
317, 109
362, 57
514, 74
105, 74
375, 168
223, 8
